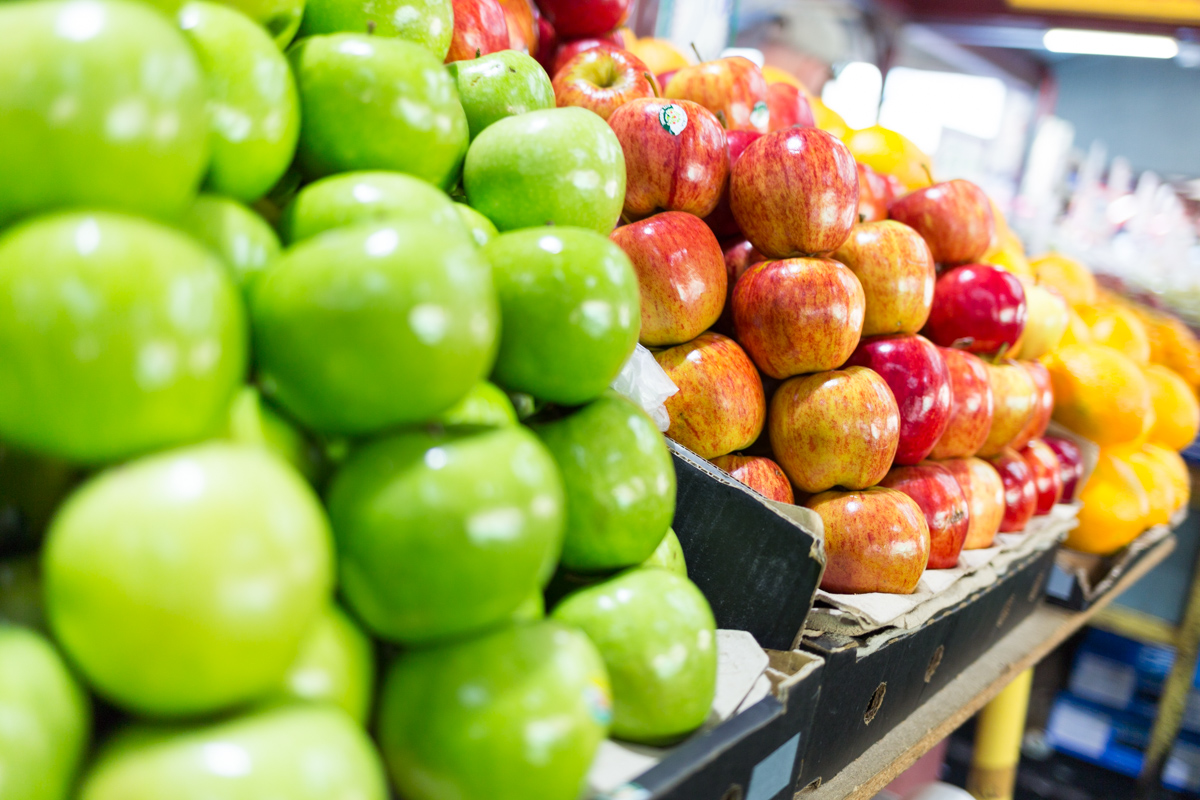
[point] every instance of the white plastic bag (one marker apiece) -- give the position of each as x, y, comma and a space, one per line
643, 381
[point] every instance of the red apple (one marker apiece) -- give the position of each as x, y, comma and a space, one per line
721, 219
916, 373
720, 406
740, 255
761, 474
675, 156
603, 79
574, 19
835, 428
732, 88
977, 307
795, 192
789, 108
984, 490
954, 217
1014, 401
525, 28
893, 265
569, 50
944, 505
875, 541
681, 275
1070, 459
1046, 470
971, 406
545, 36
480, 27
798, 315
665, 77
874, 194
1043, 405
1020, 495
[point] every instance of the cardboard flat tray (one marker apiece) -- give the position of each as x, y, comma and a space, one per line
1080, 579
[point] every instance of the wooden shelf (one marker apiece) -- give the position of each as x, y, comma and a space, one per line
1026, 645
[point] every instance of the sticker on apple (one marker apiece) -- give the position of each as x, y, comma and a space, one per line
760, 115
673, 119
597, 696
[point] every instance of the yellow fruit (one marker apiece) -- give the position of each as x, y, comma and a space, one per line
1077, 330
659, 55
888, 152
827, 119
1176, 467
1176, 409
1156, 481
1172, 344
777, 75
1115, 507
1073, 280
1046, 323
1009, 255
1118, 328
1100, 394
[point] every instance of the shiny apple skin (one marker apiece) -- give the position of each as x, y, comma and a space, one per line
1070, 459
1020, 494
795, 192
798, 315
971, 406
896, 271
1014, 397
977, 307
721, 219
720, 406
681, 274
480, 27
917, 375
944, 505
573, 19
984, 490
1046, 470
759, 473
875, 541
874, 194
1043, 406
740, 256
524, 27
566, 52
734, 89
697, 155
955, 217
837, 428
789, 108
602, 80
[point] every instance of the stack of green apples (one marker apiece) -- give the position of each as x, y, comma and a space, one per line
279, 416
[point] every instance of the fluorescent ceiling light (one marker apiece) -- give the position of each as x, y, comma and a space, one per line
1108, 43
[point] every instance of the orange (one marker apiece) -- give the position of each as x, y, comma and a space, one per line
1009, 255
1073, 280
1172, 344
1077, 330
1115, 508
1156, 480
1176, 409
658, 54
1100, 394
1117, 327
888, 152
1176, 467
827, 119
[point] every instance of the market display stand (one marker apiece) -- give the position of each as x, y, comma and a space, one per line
1023, 647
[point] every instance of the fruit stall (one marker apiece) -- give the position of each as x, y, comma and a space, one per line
479, 399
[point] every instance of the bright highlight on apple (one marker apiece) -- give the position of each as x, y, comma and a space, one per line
1109, 43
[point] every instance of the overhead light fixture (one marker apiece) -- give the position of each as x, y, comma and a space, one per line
1109, 43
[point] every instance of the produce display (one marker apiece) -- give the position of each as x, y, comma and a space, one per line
313, 482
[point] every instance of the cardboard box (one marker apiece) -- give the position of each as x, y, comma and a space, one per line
1079, 579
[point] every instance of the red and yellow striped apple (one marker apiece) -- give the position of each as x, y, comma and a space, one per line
875, 541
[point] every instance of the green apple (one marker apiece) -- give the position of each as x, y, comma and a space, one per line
428, 23
119, 336
45, 718
370, 102
243, 239
514, 715
102, 102
481, 228
500, 85
185, 582
357, 197
253, 110
559, 166
31, 487
532, 610
336, 665
668, 555
620, 483
21, 592
375, 325
571, 310
251, 421
441, 534
303, 752
281, 18
485, 405
658, 639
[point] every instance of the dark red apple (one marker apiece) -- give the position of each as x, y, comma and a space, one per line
681, 275
575, 19
665, 77
1043, 407
976, 307
1020, 495
602, 80
740, 256
954, 217
545, 36
732, 88
761, 474
942, 502
971, 406
795, 192
675, 156
1047, 474
721, 219
789, 108
1070, 459
874, 194
569, 50
480, 27
917, 375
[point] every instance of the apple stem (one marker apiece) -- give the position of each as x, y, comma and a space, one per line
696, 50
653, 83
370, 27
928, 174
478, 52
